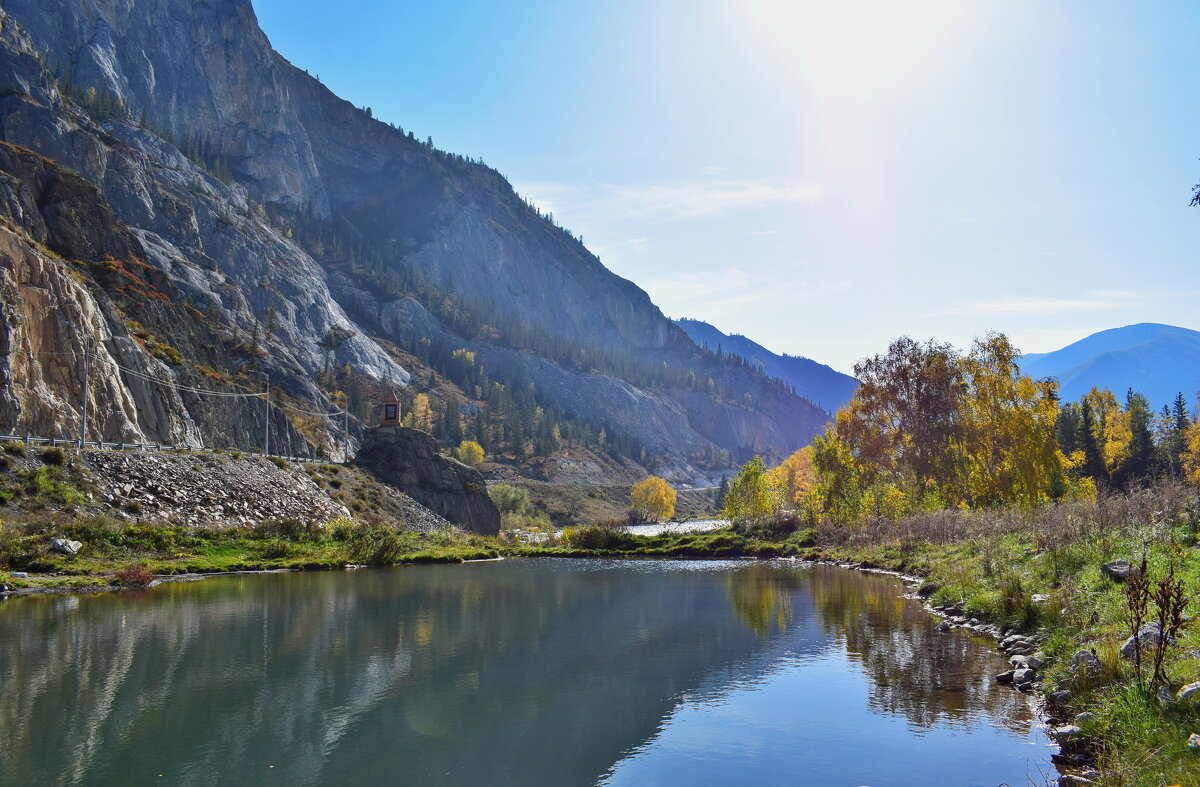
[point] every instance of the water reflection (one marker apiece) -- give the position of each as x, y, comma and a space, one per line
521, 672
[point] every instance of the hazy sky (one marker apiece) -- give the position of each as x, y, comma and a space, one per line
823, 176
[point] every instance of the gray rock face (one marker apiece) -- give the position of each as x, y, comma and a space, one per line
1116, 570
303, 176
409, 460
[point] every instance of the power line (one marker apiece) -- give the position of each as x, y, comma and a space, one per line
192, 389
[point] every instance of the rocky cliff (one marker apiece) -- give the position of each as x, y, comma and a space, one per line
409, 460
286, 234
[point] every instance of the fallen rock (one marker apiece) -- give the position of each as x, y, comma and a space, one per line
1035, 661
1189, 693
1165, 697
1193, 741
1066, 734
1005, 677
1025, 675
1086, 662
1085, 718
1147, 638
1071, 780
943, 626
1061, 697
1116, 570
66, 546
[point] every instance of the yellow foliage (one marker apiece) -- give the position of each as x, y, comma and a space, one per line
1191, 453
653, 499
795, 477
469, 452
422, 413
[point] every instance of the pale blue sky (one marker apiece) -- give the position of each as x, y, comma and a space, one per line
821, 177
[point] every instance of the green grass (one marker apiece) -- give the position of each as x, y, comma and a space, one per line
165, 550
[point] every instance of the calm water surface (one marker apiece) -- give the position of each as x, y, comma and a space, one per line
522, 672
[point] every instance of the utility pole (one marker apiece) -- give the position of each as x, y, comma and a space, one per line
267, 438
87, 343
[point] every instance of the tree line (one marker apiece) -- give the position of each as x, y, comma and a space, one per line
931, 427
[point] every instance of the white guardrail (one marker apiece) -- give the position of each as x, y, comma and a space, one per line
103, 446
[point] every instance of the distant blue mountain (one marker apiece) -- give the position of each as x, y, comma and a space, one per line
826, 387
1159, 361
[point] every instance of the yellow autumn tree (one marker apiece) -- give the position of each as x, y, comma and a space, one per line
469, 452
422, 413
1110, 429
653, 499
795, 477
1007, 448
1191, 453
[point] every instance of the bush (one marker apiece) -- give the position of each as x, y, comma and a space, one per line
47, 486
602, 535
509, 499
54, 456
276, 548
135, 575
279, 462
14, 449
5, 463
291, 529
469, 452
375, 546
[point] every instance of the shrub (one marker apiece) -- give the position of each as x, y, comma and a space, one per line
375, 546
282, 464
291, 529
469, 452
14, 449
135, 575
276, 548
509, 499
54, 456
5, 463
47, 486
602, 535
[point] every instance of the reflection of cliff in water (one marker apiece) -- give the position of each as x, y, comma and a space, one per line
508, 673
521, 672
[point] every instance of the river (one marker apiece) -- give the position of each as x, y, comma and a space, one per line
519, 672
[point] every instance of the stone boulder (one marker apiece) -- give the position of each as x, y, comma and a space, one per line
1116, 570
1085, 662
66, 547
1146, 639
409, 460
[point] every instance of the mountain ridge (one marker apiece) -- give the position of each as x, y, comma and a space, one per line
323, 245
815, 381
1154, 359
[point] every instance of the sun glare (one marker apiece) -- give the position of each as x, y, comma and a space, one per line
853, 49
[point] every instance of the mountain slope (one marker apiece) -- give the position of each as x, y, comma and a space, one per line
827, 387
1159, 361
308, 238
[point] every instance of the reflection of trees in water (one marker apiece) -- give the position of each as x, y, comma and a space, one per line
761, 595
915, 671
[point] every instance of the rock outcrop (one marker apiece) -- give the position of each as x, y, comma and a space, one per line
409, 460
286, 232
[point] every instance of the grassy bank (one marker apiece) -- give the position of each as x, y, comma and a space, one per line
115, 553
